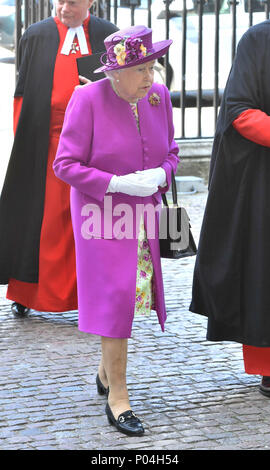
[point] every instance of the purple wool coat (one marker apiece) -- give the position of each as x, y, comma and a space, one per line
99, 139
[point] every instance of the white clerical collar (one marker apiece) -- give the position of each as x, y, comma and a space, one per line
71, 33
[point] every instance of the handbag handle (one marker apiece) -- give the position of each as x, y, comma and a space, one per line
174, 193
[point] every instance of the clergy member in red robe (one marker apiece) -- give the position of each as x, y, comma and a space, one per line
254, 124
231, 275
37, 258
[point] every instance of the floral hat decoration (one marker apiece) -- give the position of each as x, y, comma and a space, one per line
129, 47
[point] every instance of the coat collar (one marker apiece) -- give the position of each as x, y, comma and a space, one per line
124, 107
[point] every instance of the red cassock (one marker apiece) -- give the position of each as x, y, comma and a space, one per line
56, 290
254, 124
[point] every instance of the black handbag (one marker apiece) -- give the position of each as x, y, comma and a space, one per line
175, 237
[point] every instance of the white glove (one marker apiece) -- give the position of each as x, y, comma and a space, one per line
155, 176
132, 184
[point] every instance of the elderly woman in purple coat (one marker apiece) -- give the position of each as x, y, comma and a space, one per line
117, 151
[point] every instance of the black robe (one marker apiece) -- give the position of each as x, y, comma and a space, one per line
231, 282
23, 193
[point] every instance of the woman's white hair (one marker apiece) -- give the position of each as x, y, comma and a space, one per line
111, 73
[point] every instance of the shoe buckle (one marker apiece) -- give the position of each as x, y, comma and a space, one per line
122, 418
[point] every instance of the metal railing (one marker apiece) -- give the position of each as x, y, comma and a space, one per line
28, 12
205, 35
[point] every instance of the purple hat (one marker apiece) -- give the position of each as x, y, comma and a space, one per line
129, 47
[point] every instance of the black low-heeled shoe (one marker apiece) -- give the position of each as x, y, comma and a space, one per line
265, 386
102, 390
127, 422
19, 310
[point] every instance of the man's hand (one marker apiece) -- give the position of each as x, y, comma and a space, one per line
83, 80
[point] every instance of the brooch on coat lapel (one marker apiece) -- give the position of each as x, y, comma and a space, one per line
154, 99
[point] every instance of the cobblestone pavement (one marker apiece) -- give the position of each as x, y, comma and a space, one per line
190, 393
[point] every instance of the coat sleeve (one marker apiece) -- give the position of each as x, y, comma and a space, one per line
254, 124
243, 89
72, 162
17, 106
23, 64
171, 160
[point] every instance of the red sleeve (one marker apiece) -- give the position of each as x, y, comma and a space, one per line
254, 124
17, 106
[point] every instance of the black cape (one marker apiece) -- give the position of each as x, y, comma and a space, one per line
22, 198
231, 282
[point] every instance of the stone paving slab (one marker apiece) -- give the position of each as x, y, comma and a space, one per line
191, 394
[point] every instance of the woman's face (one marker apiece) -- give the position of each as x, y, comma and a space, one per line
72, 13
134, 83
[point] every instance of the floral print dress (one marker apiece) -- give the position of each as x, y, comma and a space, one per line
144, 290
